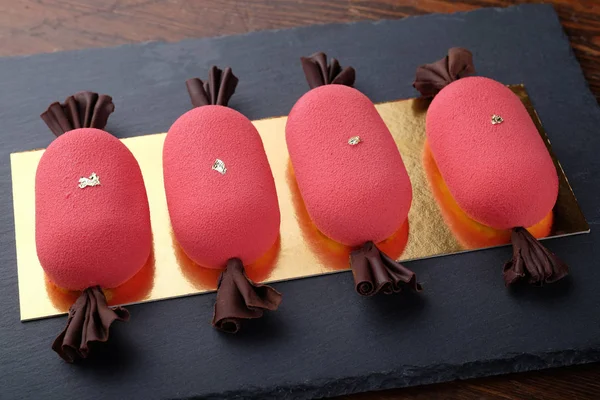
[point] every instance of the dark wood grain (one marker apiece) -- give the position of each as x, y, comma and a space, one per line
33, 26
580, 382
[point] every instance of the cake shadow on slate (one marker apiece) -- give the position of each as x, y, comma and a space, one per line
493, 165
350, 173
92, 217
221, 197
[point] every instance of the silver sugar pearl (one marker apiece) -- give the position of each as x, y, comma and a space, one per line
93, 180
219, 166
354, 140
496, 119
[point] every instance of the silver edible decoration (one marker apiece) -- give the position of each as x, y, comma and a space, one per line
354, 140
496, 119
219, 166
93, 180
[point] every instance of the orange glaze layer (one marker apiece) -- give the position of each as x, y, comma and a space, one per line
470, 233
334, 254
133, 290
207, 278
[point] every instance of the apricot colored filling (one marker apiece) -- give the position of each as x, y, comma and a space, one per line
470, 233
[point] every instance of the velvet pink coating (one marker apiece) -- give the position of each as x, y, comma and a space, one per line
98, 235
216, 217
501, 175
353, 194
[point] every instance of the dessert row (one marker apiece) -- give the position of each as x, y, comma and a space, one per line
93, 220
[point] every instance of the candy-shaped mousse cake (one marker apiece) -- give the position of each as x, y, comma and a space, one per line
221, 196
349, 172
92, 220
492, 160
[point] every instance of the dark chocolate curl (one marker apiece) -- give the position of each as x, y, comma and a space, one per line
318, 73
532, 261
82, 110
89, 321
374, 272
238, 298
431, 78
217, 90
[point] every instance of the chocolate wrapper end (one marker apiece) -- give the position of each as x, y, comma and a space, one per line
532, 262
375, 272
82, 110
319, 73
217, 90
89, 321
431, 78
239, 299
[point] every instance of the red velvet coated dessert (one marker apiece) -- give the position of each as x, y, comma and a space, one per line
492, 160
92, 217
349, 172
221, 196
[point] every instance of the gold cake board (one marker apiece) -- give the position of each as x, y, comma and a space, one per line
301, 251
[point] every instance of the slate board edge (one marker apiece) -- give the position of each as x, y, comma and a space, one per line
404, 376
416, 376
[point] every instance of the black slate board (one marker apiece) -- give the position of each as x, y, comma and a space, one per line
325, 340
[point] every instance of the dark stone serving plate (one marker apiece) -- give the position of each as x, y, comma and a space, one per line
325, 340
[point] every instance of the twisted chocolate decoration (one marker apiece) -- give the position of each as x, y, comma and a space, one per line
82, 110
374, 272
238, 298
532, 261
318, 73
217, 90
431, 78
89, 321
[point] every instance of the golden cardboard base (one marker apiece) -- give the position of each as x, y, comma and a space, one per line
301, 250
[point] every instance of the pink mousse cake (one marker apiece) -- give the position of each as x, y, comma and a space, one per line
221, 197
93, 235
219, 186
492, 159
349, 172
92, 220
353, 193
500, 174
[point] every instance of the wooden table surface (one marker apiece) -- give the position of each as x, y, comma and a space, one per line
35, 26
